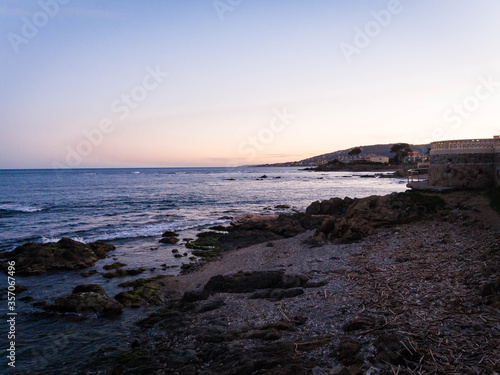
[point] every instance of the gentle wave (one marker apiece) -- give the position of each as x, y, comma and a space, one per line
18, 207
54, 239
146, 231
156, 229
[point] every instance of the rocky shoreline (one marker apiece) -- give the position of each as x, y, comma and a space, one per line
420, 294
400, 284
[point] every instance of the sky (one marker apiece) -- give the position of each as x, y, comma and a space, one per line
89, 84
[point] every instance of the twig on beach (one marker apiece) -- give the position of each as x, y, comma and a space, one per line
282, 311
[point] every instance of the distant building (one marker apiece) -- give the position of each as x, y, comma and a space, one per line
414, 157
379, 159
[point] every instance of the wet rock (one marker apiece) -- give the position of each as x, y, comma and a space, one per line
247, 282
169, 240
88, 273
251, 229
114, 266
19, 289
221, 228
282, 206
123, 272
87, 299
66, 254
170, 234
145, 291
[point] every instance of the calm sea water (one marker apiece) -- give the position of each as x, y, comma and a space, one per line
131, 208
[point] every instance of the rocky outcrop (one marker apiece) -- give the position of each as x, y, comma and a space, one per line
87, 299
66, 254
363, 216
332, 206
250, 229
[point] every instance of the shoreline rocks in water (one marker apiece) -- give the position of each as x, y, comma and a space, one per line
66, 254
87, 299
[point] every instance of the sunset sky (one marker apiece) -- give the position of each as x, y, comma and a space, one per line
231, 82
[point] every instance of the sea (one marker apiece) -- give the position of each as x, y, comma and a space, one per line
131, 208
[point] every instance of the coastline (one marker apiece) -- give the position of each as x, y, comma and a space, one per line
413, 298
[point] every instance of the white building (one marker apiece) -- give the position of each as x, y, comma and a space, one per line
379, 159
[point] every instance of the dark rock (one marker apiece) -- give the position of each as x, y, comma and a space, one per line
347, 349
282, 206
357, 324
269, 334
277, 294
353, 220
169, 240
210, 306
488, 289
136, 343
27, 299
264, 176
340, 370
314, 208
221, 228
145, 291
194, 296
35, 258
114, 266
87, 299
247, 282
19, 289
170, 234
88, 273
123, 272
300, 320
390, 350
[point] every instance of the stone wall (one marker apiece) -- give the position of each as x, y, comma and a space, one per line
469, 164
467, 176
